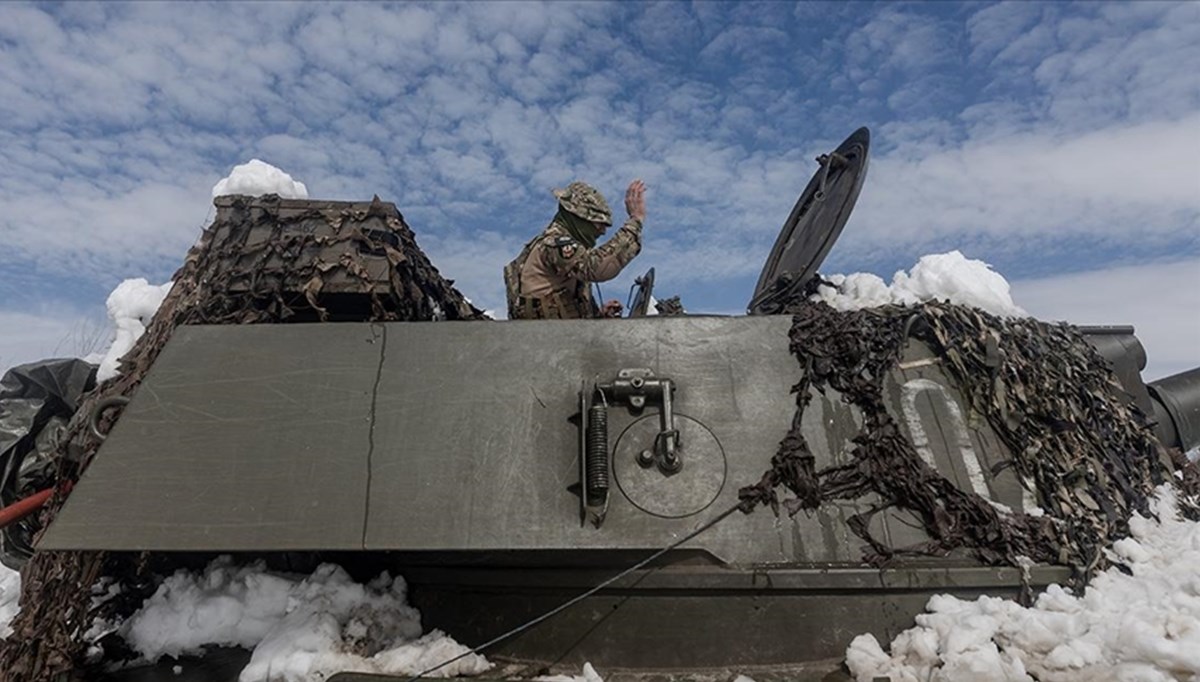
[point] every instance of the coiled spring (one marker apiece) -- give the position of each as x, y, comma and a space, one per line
597, 454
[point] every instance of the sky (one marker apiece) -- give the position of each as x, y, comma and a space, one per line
1058, 142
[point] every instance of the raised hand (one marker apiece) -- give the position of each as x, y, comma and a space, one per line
635, 200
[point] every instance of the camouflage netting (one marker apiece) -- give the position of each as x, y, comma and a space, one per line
1049, 396
261, 261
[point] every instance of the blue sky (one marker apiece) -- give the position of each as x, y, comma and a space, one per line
1058, 142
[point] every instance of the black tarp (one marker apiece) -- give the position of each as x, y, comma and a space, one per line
36, 400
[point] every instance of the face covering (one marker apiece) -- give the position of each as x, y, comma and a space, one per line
582, 231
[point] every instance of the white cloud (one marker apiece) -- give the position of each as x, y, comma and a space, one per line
32, 336
1036, 186
475, 262
742, 41
900, 40
1096, 65
82, 230
994, 28
118, 118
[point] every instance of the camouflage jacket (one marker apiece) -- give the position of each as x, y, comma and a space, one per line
550, 278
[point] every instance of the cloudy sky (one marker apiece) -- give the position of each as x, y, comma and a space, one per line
1058, 142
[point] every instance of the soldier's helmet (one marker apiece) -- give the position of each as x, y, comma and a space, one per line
585, 201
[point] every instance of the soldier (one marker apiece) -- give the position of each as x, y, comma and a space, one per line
551, 277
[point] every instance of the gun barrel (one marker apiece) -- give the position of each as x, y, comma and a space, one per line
1177, 408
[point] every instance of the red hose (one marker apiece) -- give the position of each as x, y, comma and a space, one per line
22, 508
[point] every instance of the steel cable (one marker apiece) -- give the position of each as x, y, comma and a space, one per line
575, 600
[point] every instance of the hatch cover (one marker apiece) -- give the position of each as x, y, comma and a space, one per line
814, 225
640, 305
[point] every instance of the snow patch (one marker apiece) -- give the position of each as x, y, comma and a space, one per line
1143, 626
130, 308
255, 178
939, 277
10, 593
299, 628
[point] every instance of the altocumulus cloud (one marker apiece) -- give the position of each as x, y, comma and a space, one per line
1042, 137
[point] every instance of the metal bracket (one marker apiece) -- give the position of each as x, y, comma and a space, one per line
828, 162
636, 387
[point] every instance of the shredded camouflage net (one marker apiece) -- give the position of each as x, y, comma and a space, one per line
261, 261
1046, 392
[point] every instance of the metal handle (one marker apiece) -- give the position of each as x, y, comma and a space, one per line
827, 162
94, 417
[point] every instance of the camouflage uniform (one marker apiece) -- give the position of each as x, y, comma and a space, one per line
550, 278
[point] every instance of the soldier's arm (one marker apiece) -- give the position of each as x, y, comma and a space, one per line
606, 261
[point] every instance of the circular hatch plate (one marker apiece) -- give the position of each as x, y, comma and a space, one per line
687, 492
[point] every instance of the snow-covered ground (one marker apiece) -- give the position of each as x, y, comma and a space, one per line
1144, 626
299, 627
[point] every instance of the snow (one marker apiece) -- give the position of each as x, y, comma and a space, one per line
256, 177
1144, 626
10, 592
130, 307
298, 628
942, 277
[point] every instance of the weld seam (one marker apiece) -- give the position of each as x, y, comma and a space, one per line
371, 431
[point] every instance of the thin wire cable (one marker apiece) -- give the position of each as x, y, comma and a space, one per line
575, 600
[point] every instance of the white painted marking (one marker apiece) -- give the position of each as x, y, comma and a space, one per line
970, 460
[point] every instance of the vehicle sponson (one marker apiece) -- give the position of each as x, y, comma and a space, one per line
386, 438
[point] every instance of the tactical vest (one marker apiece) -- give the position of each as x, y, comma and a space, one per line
559, 304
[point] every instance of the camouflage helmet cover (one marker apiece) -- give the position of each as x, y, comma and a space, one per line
585, 201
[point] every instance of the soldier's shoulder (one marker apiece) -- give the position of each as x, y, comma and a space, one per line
557, 236
556, 241
555, 229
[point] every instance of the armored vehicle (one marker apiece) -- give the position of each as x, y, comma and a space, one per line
505, 468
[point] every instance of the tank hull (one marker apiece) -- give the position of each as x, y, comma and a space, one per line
450, 453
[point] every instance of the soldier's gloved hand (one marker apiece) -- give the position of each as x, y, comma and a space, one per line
611, 308
635, 200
